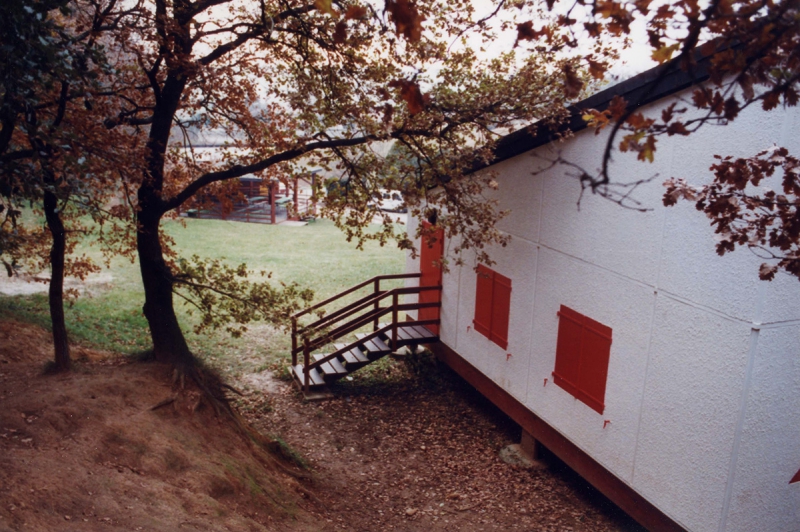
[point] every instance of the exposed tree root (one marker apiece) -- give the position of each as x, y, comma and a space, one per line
212, 393
163, 402
231, 388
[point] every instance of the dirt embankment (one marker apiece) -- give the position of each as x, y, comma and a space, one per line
84, 451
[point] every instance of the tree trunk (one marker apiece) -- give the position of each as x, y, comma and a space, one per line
56, 292
169, 344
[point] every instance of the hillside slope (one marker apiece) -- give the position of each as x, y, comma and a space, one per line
84, 451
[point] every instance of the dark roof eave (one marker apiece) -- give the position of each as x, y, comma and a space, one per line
639, 90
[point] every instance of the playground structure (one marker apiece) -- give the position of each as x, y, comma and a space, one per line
266, 202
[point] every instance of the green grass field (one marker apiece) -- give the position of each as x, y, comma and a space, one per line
316, 256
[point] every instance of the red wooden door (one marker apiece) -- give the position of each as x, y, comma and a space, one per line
430, 255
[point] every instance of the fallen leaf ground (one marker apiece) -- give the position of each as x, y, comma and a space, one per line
418, 451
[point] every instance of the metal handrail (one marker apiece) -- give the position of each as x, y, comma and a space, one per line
343, 312
376, 281
374, 299
352, 289
374, 315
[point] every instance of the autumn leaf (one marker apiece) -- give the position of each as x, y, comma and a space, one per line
677, 128
340, 33
388, 112
411, 94
790, 96
767, 271
406, 18
654, 38
638, 121
383, 93
596, 119
746, 83
617, 107
718, 103
525, 32
593, 28
355, 12
572, 83
597, 69
771, 100
643, 6
647, 152
326, 6
664, 12
664, 54
700, 98
666, 114
629, 142
731, 108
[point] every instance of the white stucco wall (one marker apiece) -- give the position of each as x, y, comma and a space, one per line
769, 437
703, 389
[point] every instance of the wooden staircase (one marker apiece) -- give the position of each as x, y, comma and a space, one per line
338, 333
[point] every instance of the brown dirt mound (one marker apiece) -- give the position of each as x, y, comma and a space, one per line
22, 342
84, 451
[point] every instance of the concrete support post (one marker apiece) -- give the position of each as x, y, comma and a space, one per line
530, 446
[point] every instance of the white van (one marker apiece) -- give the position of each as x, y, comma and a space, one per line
391, 201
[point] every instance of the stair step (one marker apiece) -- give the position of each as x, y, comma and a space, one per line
402, 334
421, 332
352, 357
331, 367
374, 347
314, 377
408, 334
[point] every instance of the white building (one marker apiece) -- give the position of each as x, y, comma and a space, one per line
667, 376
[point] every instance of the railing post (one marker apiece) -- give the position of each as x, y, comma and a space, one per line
305, 364
294, 341
394, 321
377, 305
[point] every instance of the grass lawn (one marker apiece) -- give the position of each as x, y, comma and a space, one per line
315, 256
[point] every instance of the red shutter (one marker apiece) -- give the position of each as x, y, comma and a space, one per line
483, 301
795, 478
582, 353
593, 372
501, 305
568, 349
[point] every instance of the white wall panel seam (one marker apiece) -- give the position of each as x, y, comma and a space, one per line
514, 236
705, 308
650, 333
758, 314
777, 324
644, 386
583, 261
533, 315
662, 292
457, 304
538, 235
748, 377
